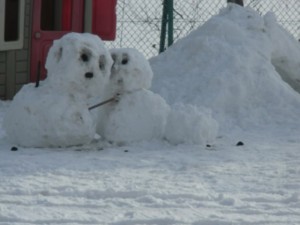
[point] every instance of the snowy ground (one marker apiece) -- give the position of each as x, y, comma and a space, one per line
155, 183
257, 183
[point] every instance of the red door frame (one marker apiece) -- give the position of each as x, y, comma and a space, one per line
42, 40
104, 18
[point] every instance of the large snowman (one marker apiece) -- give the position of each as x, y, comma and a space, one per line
139, 114
56, 114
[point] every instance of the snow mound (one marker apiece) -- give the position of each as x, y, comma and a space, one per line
190, 124
226, 65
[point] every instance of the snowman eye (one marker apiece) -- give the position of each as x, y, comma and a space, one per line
84, 57
58, 54
124, 59
101, 66
114, 57
102, 62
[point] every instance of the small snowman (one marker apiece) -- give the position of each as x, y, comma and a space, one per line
139, 114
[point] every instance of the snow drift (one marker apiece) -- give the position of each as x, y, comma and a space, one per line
226, 65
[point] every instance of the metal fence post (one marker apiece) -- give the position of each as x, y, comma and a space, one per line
239, 2
163, 27
170, 22
167, 19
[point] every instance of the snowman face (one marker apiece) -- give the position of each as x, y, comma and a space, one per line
131, 70
79, 62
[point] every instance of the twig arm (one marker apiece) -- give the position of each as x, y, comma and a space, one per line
102, 103
115, 98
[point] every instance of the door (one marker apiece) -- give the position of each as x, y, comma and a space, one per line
51, 20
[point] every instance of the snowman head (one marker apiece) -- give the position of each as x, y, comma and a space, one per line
131, 70
79, 63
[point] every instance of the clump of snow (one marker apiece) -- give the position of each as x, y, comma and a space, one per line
56, 114
226, 66
190, 124
285, 51
139, 114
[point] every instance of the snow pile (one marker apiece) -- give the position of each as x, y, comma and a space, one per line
56, 114
226, 65
190, 124
139, 114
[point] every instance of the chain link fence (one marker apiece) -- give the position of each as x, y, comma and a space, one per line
139, 22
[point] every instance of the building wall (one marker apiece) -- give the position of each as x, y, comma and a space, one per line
2, 74
15, 64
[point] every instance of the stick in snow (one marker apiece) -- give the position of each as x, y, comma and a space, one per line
115, 98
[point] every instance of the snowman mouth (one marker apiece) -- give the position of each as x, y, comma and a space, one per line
89, 75
120, 81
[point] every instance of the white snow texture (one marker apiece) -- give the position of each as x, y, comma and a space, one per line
189, 124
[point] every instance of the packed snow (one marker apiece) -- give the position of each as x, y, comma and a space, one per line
228, 78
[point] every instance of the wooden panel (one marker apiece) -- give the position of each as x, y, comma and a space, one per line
10, 74
18, 87
2, 79
2, 92
14, 65
2, 68
21, 78
22, 55
21, 66
2, 56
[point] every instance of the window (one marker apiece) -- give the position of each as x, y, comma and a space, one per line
12, 15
